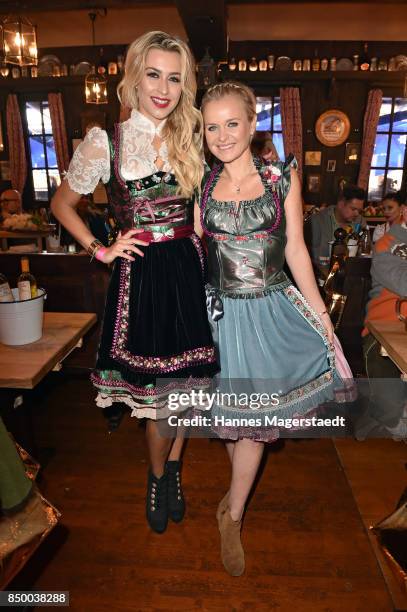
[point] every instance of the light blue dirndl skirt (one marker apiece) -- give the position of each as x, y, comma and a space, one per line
274, 345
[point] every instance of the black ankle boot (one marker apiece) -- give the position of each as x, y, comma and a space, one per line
156, 502
176, 502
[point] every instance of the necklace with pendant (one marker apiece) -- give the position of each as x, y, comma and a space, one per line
237, 186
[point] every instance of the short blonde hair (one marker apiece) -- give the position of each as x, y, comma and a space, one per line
183, 128
232, 88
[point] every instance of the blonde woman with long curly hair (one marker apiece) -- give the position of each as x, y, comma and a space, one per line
155, 324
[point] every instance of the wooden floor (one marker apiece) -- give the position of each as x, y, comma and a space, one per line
305, 542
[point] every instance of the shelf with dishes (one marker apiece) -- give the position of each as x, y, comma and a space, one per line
284, 76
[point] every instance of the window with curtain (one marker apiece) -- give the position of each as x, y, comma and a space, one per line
42, 161
389, 155
269, 120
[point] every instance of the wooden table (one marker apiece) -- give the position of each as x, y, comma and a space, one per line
35, 236
22, 367
392, 335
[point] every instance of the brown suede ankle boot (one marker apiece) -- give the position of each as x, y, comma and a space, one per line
223, 504
231, 547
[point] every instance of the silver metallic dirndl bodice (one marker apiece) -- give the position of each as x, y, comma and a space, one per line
246, 242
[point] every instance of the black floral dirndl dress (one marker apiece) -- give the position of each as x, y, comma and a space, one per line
155, 324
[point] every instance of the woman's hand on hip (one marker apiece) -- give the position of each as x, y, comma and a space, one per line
124, 246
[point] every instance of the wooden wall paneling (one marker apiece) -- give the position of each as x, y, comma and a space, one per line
307, 48
321, 91
205, 24
72, 90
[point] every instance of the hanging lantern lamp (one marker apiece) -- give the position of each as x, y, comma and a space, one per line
19, 41
95, 82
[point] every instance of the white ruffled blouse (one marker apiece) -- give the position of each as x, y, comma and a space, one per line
91, 161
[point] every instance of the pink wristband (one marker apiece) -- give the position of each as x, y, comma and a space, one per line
100, 253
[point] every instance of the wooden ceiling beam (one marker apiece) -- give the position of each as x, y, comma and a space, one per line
205, 25
35, 6
325, 2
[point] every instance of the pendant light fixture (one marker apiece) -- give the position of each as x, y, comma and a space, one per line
206, 71
95, 82
19, 41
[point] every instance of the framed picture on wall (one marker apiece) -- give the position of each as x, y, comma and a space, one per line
313, 183
331, 165
352, 153
332, 128
312, 158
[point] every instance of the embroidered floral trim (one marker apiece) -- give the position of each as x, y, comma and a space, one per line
295, 396
199, 248
269, 176
197, 356
108, 385
264, 235
298, 300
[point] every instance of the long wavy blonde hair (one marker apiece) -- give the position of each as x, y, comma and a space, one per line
183, 128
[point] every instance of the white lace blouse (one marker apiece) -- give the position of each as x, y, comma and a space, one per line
91, 160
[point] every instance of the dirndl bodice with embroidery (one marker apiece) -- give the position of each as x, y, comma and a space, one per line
246, 242
150, 203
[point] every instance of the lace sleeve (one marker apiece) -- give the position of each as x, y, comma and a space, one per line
90, 162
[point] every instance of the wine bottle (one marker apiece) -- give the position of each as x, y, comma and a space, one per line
316, 64
6, 295
364, 62
26, 283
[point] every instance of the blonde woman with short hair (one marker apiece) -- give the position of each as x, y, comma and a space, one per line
155, 323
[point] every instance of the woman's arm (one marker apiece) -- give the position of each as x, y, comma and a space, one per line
63, 208
297, 256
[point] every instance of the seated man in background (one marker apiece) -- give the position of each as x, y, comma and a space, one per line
389, 283
319, 228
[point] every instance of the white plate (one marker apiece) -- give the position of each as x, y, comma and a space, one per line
47, 63
344, 63
283, 63
82, 68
